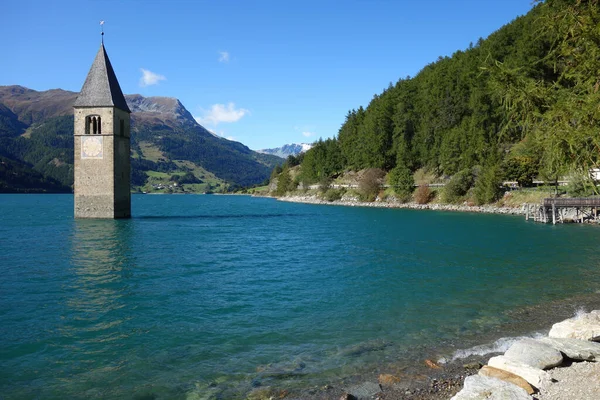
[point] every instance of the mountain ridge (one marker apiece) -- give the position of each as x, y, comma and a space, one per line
292, 149
166, 142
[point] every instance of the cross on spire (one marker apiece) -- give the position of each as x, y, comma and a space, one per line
102, 28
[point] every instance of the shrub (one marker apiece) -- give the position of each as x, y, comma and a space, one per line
488, 187
370, 183
284, 183
579, 186
333, 194
424, 177
325, 184
401, 179
458, 186
423, 195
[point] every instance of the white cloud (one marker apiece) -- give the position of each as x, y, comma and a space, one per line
223, 56
221, 113
150, 78
306, 130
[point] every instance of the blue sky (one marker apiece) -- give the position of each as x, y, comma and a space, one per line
264, 73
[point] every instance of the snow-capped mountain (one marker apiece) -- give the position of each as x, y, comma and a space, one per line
288, 149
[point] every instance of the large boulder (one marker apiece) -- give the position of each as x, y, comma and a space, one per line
583, 326
506, 376
580, 350
534, 353
479, 387
535, 376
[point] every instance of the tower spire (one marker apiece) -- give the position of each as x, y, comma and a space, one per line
102, 28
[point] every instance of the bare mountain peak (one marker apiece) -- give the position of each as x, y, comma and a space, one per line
169, 109
36, 106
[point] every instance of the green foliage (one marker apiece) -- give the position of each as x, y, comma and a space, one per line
333, 194
559, 113
521, 169
325, 183
9, 123
324, 159
488, 186
458, 186
48, 149
294, 160
401, 179
580, 186
534, 81
18, 177
228, 160
284, 182
188, 177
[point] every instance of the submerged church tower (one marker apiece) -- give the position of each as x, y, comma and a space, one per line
102, 163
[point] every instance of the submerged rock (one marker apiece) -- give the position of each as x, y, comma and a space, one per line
580, 350
432, 364
583, 327
388, 379
534, 353
364, 390
366, 347
479, 387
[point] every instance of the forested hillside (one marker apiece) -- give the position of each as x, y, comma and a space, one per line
521, 104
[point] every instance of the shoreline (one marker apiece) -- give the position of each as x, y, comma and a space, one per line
428, 377
486, 209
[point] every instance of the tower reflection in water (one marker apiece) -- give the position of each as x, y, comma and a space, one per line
97, 324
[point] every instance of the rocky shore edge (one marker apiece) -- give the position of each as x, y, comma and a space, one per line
351, 202
562, 365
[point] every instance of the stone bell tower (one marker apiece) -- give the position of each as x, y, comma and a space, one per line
102, 163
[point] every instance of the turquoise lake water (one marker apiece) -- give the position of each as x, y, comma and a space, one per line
199, 296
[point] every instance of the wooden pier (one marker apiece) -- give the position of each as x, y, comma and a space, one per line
560, 210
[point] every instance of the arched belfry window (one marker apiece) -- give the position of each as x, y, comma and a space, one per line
93, 125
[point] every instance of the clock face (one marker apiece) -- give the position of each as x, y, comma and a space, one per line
91, 147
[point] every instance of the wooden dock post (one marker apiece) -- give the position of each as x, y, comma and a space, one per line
553, 213
545, 214
526, 212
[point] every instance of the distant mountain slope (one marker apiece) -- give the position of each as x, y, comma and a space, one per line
18, 177
287, 150
33, 107
36, 131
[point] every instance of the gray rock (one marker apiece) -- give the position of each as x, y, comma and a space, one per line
479, 387
364, 390
534, 353
581, 350
535, 376
583, 327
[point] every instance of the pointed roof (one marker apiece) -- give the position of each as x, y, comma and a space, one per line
101, 87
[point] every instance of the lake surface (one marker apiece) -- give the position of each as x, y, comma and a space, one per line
209, 296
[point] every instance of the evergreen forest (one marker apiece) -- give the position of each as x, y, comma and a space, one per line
522, 104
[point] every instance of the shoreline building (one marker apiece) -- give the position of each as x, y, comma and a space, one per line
102, 143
